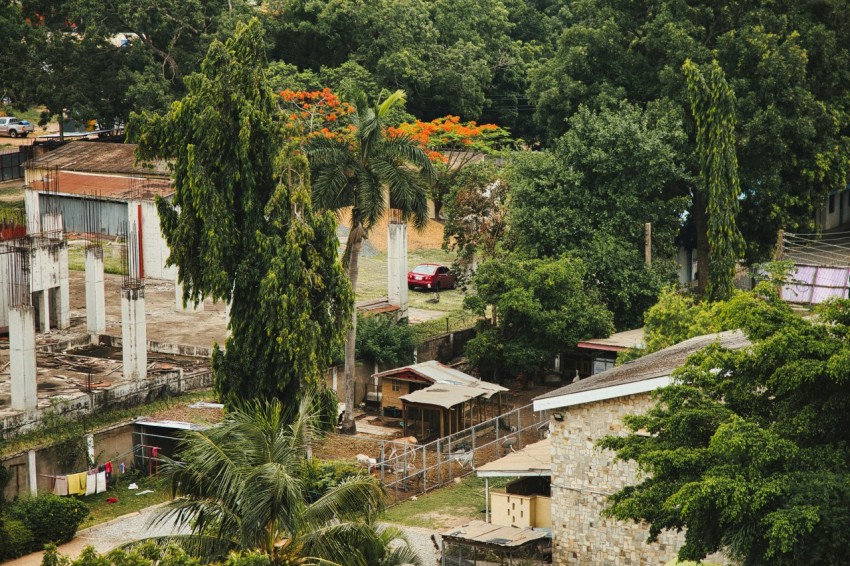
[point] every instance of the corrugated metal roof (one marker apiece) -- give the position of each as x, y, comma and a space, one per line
482, 533
102, 186
658, 364
98, 157
444, 395
436, 372
533, 460
616, 342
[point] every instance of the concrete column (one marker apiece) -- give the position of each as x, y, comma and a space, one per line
95, 293
134, 333
45, 311
64, 303
32, 472
178, 300
397, 265
22, 358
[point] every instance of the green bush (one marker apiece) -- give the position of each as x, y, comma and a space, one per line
50, 518
322, 475
383, 341
16, 539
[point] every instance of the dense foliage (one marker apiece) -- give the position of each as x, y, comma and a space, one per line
28, 524
148, 554
748, 449
786, 62
383, 341
615, 170
241, 227
538, 308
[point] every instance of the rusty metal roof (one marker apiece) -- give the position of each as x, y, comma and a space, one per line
98, 157
480, 533
102, 186
533, 460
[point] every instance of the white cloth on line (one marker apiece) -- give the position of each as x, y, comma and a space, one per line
101, 482
91, 484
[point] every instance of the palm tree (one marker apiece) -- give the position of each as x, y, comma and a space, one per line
241, 487
370, 173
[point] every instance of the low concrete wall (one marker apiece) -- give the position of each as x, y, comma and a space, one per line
113, 444
445, 347
118, 396
160, 347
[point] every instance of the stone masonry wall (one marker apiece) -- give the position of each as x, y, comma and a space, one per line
582, 477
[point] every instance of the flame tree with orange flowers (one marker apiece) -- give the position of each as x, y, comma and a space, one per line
452, 145
365, 170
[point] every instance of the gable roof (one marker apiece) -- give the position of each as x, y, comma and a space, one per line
98, 157
644, 374
435, 372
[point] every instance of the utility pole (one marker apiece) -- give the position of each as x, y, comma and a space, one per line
647, 233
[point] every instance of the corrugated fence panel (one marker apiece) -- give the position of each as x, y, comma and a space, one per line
112, 214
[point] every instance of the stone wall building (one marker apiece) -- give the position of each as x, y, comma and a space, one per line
583, 475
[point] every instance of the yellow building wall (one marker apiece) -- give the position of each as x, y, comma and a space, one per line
520, 510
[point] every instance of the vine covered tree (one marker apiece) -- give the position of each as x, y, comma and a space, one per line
748, 450
241, 227
368, 174
713, 107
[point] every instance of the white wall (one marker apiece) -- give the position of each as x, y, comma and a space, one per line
154, 248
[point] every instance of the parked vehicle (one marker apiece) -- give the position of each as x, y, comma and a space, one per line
11, 126
430, 276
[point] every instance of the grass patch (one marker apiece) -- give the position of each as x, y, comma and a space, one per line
444, 507
111, 259
129, 501
47, 436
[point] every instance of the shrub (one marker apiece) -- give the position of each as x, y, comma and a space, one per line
50, 518
16, 539
383, 341
322, 475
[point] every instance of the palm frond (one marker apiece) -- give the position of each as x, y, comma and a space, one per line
356, 497
394, 99
204, 548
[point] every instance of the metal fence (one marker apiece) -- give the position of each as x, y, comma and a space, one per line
12, 162
408, 469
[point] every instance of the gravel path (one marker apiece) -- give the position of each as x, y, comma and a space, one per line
420, 540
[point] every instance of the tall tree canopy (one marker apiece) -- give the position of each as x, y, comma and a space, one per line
615, 170
241, 227
787, 62
748, 450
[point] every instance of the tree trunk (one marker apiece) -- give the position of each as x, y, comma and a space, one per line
355, 242
701, 225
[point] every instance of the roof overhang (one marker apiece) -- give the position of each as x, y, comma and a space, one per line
602, 393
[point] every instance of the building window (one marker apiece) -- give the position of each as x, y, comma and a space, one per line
396, 386
831, 204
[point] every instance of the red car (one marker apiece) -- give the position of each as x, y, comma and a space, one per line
430, 276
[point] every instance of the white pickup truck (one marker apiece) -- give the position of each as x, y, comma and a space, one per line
11, 126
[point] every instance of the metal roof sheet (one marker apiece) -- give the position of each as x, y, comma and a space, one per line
533, 460
436, 372
98, 157
616, 342
444, 395
482, 533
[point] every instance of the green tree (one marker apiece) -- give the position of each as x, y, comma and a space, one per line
538, 308
591, 195
383, 341
748, 449
241, 227
372, 173
713, 107
785, 61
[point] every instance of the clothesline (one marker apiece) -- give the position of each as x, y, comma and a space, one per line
90, 482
